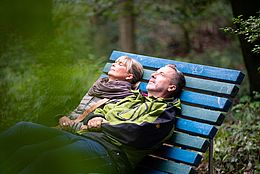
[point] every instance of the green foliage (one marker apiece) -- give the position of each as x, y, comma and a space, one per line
248, 28
237, 146
43, 76
50, 84
229, 57
175, 11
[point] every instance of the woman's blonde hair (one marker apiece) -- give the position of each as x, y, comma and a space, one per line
133, 67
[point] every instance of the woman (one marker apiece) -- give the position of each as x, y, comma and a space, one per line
26, 144
123, 76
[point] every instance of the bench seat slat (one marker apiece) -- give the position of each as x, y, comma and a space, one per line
195, 128
179, 155
163, 166
188, 141
196, 83
233, 76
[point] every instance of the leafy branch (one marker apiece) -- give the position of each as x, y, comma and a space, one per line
248, 28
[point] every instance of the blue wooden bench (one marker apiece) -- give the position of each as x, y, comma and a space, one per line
207, 95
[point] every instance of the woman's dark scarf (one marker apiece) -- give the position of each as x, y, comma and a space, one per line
110, 89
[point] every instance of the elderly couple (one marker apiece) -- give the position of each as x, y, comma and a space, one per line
112, 138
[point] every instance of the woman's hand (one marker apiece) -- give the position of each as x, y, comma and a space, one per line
96, 122
65, 122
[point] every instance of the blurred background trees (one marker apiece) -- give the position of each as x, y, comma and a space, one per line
52, 51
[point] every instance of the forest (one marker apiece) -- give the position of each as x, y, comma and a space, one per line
52, 51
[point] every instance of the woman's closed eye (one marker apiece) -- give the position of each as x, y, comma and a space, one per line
121, 63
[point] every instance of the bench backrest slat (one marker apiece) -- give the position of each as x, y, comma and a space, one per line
180, 155
202, 115
196, 128
187, 141
166, 166
222, 74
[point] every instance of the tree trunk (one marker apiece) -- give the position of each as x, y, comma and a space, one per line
252, 60
187, 41
127, 26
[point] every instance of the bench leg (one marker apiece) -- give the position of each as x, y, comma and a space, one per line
210, 167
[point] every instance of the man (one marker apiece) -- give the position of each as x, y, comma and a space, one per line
138, 124
115, 138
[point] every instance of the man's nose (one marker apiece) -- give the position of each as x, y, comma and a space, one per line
153, 75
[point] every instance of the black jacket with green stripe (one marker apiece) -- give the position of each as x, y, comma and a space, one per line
136, 125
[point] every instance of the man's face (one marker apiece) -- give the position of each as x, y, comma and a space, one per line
160, 83
118, 71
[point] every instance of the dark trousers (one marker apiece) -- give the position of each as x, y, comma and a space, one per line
33, 148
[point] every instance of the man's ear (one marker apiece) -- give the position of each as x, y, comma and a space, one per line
171, 88
129, 77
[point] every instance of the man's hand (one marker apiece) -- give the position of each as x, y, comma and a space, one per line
96, 122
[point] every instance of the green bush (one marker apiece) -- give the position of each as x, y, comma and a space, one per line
45, 75
36, 86
237, 146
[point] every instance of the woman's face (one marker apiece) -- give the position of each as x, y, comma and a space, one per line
118, 71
